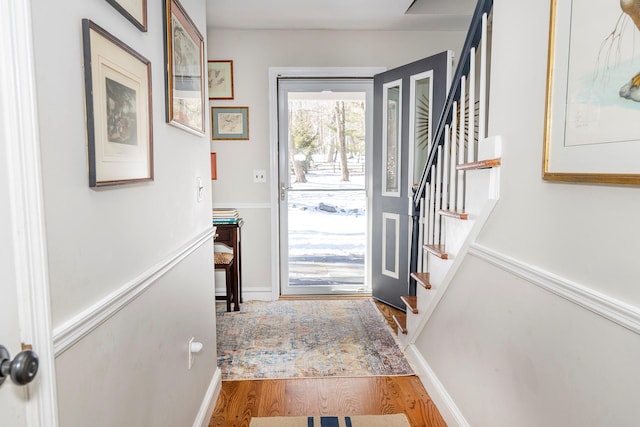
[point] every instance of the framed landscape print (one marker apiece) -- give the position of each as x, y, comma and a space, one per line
118, 109
593, 94
134, 10
230, 122
184, 64
220, 79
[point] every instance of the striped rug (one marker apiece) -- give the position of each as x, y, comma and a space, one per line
395, 420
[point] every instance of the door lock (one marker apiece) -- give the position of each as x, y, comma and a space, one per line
22, 369
283, 190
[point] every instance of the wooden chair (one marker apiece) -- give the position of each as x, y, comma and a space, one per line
224, 261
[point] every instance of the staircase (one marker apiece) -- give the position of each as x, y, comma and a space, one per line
459, 185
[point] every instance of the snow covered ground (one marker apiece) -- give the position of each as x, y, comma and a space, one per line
327, 230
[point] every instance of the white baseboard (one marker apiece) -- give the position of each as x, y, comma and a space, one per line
443, 401
209, 402
254, 294
243, 205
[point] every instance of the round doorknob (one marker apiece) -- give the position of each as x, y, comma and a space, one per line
22, 369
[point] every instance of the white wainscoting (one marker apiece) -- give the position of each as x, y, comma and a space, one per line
71, 331
443, 401
619, 312
616, 311
209, 401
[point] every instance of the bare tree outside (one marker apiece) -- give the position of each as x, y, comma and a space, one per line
303, 138
326, 198
342, 142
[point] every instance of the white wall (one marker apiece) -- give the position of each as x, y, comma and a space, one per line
509, 351
130, 272
253, 52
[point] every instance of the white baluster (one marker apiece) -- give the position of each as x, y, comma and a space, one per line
440, 199
420, 233
483, 81
462, 122
431, 213
436, 207
461, 157
454, 158
471, 148
446, 166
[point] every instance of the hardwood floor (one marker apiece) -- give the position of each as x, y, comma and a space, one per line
241, 400
388, 312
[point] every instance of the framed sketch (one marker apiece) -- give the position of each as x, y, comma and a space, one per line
593, 94
230, 122
220, 79
118, 109
184, 64
134, 10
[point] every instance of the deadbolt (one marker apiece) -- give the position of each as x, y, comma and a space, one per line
22, 369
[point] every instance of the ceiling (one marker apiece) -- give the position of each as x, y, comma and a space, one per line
429, 15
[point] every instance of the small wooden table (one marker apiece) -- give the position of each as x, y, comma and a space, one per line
229, 234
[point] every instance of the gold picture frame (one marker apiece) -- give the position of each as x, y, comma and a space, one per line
184, 70
220, 79
118, 109
590, 134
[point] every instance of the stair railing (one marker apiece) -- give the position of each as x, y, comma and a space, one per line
441, 190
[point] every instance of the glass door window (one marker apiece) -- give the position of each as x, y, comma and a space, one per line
323, 201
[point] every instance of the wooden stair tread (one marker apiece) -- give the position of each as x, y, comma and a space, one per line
401, 321
422, 278
454, 214
411, 303
437, 250
480, 164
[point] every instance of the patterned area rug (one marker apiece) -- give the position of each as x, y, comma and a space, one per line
306, 339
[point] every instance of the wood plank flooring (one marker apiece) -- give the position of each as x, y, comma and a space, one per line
241, 400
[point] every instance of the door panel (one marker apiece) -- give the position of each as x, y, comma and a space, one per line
408, 101
390, 251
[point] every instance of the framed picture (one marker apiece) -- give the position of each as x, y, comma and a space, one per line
214, 166
184, 62
593, 94
230, 122
220, 79
134, 10
118, 109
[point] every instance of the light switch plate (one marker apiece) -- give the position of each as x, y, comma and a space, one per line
259, 176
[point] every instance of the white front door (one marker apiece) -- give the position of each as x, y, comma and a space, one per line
24, 299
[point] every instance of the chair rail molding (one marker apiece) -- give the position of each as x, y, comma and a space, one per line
619, 312
74, 329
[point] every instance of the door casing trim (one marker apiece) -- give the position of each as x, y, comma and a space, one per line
274, 74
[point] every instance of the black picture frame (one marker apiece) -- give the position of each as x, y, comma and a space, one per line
118, 109
136, 15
